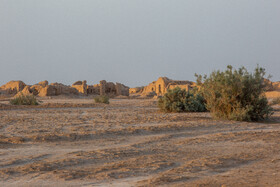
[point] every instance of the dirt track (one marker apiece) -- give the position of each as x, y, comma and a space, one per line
130, 143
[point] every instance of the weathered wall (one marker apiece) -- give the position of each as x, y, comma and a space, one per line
150, 88
61, 89
136, 90
81, 87
123, 90
43, 83
13, 87
43, 88
25, 91
109, 88
47, 91
102, 87
161, 86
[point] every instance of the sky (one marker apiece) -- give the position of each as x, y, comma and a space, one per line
135, 41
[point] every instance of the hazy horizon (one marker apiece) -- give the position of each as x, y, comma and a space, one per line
135, 42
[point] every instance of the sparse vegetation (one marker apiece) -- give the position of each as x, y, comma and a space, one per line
236, 94
102, 99
24, 100
178, 100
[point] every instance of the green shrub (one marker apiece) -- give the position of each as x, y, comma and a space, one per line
24, 100
178, 100
236, 94
102, 99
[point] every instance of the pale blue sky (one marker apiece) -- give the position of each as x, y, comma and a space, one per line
135, 41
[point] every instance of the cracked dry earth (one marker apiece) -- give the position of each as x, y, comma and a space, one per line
130, 143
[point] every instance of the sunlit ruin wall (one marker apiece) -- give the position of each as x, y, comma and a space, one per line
43, 89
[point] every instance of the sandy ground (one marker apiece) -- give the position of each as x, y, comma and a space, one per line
73, 142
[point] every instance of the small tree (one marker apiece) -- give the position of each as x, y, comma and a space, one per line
178, 100
236, 94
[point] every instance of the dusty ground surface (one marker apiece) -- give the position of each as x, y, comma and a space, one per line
73, 142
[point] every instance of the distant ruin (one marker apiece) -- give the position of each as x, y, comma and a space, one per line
155, 89
273, 89
160, 87
43, 89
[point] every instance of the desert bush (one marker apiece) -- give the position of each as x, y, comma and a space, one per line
102, 99
24, 100
178, 100
236, 94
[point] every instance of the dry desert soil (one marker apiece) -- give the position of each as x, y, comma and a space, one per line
74, 142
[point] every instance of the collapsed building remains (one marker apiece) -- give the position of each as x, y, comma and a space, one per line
43, 89
160, 87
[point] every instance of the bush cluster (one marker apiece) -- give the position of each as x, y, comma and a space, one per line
102, 99
236, 94
178, 100
24, 100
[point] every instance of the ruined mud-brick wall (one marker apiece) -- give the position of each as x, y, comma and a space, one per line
118, 89
92, 90
122, 89
13, 87
19, 87
150, 88
103, 87
81, 87
54, 89
161, 86
136, 90
158, 87
25, 91
61, 89
109, 88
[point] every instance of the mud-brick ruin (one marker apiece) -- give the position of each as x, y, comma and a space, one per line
81, 88
43, 89
160, 87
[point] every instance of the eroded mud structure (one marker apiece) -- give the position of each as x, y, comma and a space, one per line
43, 89
160, 87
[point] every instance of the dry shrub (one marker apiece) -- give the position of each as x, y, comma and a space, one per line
178, 100
236, 94
102, 99
24, 100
